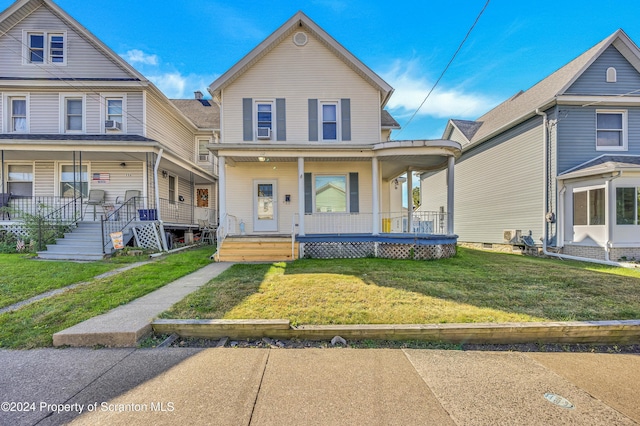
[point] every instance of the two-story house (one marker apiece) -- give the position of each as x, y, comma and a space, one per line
557, 165
83, 135
305, 155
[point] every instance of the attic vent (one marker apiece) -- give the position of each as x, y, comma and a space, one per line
300, 38
612, 75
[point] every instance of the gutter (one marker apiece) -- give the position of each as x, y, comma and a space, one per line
545, 235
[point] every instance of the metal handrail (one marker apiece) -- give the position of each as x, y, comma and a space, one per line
126, 209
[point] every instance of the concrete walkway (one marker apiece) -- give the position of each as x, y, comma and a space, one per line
337, 386
125, 325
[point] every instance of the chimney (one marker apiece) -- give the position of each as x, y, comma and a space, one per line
198, 94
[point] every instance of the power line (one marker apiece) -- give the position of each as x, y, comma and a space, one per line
446, 68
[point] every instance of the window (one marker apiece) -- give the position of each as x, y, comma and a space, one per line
264, 120
203, 152
45, 48
72, 183
20, 180
330, 121
73, 115
627, 206
331, 194
18, 110
172, 189
589, 207
114, 110
611, 130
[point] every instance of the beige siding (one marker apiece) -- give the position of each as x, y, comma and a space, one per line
240, 197
164, 127
120, 179
44, 178
83, 60
457, 136
298, 74
92, 109
135, 116
44, 112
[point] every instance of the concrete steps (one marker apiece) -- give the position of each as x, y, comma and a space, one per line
82, 243
257, 249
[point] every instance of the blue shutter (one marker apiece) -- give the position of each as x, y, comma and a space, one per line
345, 115
308, 195
354, 199
313, 119
247, 119
281, 120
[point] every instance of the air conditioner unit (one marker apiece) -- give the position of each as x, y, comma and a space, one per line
511, 236
203, 157
264, 133
112, 125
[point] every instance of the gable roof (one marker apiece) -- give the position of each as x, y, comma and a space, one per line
300, 20
523, 105
387, 121
204, 113
21, 9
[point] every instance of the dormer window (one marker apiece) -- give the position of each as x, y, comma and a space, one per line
45, 48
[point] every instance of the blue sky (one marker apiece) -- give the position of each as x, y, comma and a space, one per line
183, 46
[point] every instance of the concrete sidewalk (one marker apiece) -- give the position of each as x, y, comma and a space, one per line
316, 386
126, 324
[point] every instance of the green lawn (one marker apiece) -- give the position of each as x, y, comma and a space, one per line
34, 325
23, 277
475, 286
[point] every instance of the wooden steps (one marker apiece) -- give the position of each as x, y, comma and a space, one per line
257, 249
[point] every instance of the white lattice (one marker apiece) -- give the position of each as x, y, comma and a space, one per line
147, 236
17, 229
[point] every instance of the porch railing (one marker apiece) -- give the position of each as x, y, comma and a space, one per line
226, 227
185, 213
67, 209
119, 219
423, 222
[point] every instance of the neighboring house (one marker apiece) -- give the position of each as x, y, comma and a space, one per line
559, 163
76, 118
304, 152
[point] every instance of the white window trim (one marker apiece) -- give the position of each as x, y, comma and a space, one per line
587, 189
20, 163
104, 97
46, 61
63, 112
6, 107
347, 192
337, 103
625, 130
197, 150
58, 178
271, 102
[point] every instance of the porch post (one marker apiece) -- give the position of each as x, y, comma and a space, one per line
450, 175
300, 195
222, 189
375, 208
410, 201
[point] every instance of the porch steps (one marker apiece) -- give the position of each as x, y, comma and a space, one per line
257, 249
83, 243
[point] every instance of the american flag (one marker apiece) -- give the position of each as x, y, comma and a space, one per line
101, 176
20, 245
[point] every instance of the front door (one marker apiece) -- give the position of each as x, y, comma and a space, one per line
265, 206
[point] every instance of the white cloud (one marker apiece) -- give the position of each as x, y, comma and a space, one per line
138, 56
177, 86
171, 82
411, 88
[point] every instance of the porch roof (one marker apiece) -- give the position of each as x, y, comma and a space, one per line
74, 137
396, 157
603, 165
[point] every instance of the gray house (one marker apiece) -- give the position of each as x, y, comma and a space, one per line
557, 165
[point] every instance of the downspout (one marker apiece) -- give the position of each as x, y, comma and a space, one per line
545, 251
163, 238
